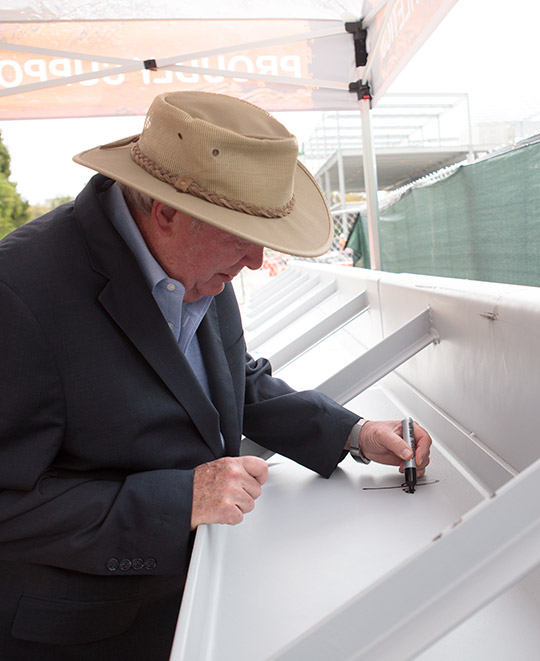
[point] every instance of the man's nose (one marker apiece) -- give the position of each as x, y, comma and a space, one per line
254, 256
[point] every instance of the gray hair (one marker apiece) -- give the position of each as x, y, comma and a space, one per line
143, 202
135, 198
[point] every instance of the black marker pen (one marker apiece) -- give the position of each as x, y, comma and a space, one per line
409, 466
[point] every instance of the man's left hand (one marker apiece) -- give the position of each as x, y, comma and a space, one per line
381, 441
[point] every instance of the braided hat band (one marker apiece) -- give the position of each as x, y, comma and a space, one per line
185, 184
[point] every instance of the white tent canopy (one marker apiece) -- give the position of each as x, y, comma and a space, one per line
301, 55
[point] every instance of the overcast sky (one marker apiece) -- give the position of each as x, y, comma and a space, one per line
487, 48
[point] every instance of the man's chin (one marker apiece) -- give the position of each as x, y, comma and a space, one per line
207, 290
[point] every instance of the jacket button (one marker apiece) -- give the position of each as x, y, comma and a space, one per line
112, 564
137, 563
150, 563
125, 564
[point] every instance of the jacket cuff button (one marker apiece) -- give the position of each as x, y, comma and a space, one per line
137, 564
125, 564
112, 564
150, 563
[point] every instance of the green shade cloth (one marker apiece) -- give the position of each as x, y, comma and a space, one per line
480, 223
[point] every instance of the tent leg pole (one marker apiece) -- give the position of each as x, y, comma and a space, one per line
341, 177
371, 186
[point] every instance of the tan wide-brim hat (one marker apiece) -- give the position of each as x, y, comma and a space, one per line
226, 162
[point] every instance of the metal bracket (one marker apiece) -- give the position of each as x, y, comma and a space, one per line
359, 35
362, 90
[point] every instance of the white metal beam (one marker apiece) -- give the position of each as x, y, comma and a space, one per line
320, 331
274, 288
317, 294
282, 80
381, 359
272, 300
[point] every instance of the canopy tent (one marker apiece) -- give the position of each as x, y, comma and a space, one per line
112, 58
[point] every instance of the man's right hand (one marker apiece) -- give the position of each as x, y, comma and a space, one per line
226, 489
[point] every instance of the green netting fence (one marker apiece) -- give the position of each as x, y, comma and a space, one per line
481, 223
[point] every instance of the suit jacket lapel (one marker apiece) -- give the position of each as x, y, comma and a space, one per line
143, 323
129, 302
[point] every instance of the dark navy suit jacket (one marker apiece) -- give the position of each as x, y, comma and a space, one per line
102, 421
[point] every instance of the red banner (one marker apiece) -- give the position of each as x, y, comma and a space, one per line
200, 44
408, 26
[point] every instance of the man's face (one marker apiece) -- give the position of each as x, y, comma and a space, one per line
203, 258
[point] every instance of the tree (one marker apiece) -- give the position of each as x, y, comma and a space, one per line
36, 210
13, 208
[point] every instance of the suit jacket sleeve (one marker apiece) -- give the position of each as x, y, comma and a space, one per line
307, 427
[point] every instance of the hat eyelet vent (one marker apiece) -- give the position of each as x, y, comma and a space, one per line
180, 136
215, 152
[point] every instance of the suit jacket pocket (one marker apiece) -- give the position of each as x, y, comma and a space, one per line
63, 622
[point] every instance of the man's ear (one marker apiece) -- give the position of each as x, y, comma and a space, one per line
163, 217
168, 221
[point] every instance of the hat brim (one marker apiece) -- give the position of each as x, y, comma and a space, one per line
307, 231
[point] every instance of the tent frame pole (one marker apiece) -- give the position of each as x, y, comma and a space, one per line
371, 184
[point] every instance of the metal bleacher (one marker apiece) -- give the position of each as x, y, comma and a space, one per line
353, 567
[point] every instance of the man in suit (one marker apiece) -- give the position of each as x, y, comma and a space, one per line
126, 386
